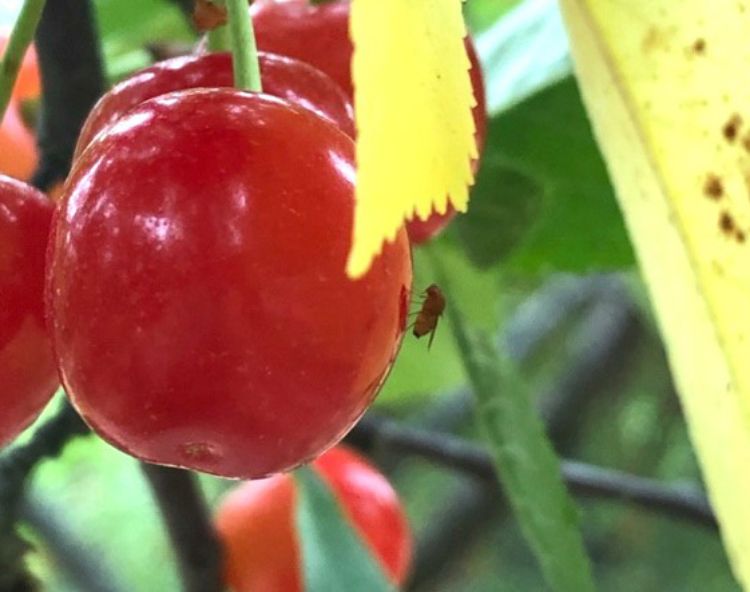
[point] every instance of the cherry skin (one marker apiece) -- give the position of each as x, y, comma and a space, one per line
319, 34
18, 155
27, 371
198, 303
420, 231
315, 33
284, 77
28, 83
255, 521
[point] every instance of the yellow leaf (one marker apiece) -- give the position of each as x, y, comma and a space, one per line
415, 133
667, 85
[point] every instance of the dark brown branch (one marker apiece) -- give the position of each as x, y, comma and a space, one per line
15, 466
188, 523
680, 501
47, 442
72, 80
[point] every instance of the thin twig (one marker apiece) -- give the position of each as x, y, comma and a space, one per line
47, 442
15, 466
188, 523
72, 80
681, 501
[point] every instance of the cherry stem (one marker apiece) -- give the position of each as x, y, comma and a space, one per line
20, 39
244, 50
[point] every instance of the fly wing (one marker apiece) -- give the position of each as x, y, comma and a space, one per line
432, 334
421, 326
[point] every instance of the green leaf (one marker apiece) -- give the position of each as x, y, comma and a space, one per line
578, 226
543, 200
333, 556
505, 203
127, 27
524, 458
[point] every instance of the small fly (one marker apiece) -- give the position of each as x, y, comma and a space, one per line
433, 305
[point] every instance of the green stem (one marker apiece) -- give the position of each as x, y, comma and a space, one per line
524, 459
20, 39
244, 50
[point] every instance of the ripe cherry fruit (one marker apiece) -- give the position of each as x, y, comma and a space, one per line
27, 371
319, 34
18, 155
256, 524
200, 311
283, 77
28, 83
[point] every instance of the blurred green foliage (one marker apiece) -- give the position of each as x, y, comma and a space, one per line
542, 205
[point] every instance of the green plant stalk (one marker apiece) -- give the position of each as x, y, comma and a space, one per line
20, 39
524, 458
244, 49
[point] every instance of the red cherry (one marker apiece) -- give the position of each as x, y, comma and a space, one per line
28, 377
284, 77
319, 34
28, 83
256, 524
420, 231
200, 311
373, 506
315, 33
18, 155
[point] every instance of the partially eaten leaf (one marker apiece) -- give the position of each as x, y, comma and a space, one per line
415, 132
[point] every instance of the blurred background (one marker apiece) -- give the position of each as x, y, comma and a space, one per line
541, 260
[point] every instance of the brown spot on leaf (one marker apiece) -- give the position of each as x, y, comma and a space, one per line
656, 38
726, 223
713, 188
699, 47
740, 236
746, 141
731, 128
207, 16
